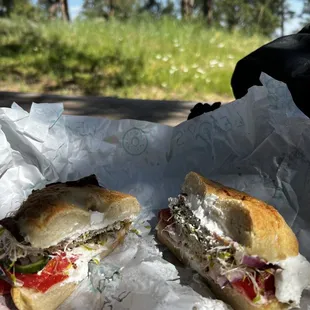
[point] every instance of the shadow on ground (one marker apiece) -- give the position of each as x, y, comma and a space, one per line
164, 112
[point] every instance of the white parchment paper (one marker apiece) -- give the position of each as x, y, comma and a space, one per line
259, 144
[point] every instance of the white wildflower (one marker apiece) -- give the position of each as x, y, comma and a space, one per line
212, 41
201, 71
173, 69
185, 69
213, 63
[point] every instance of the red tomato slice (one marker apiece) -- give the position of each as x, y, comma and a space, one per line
264, 281
5, 287
53, 273
166, 216
245, 287
269, 284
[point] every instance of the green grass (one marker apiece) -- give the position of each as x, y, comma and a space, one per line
163, 59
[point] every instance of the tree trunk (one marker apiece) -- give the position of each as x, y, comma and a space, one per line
111, 8
65, 10
52, 10
187, 7
8, 4
208, 11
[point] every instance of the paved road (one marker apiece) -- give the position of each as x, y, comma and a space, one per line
164, 112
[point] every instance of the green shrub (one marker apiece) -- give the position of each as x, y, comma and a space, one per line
172, 58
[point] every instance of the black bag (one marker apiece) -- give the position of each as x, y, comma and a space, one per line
286, 59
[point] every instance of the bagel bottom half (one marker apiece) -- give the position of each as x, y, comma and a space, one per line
227, 294
31, 299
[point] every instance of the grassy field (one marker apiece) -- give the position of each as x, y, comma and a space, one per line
161, 59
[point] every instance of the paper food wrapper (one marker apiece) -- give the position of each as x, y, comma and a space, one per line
259, 144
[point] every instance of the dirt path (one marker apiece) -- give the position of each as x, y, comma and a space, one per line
164, 112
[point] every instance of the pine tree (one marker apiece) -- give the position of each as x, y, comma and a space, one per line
110, 8
6, 7
56, 8
262, 16
20, 8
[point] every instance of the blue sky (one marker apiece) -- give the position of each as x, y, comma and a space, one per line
75, 7
294, 24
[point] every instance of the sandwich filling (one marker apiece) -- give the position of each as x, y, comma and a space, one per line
190, 223
42, 268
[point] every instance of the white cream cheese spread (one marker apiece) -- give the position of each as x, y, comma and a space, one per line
292, 280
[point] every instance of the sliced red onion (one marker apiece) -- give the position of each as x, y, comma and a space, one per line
222, 281
235, 275
170, 228
256, 262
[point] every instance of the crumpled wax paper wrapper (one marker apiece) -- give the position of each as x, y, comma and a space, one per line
259, 144
141, 279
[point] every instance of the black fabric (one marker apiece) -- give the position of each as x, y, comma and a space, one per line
286, 59
89, 180
200, 108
